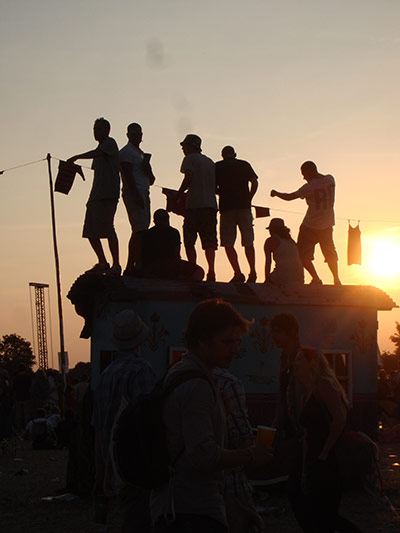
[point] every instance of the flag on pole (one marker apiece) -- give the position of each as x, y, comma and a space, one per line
66, 175
261, 211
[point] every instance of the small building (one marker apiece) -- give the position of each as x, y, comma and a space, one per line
341, 321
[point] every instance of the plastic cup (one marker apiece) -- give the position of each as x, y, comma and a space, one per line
265, 436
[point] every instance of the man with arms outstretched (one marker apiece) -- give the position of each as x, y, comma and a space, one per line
317, 225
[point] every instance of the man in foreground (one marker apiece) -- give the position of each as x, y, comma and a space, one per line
195, 427
103, 198
317, 225
132, 375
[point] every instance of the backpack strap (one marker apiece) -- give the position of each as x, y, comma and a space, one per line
182, 377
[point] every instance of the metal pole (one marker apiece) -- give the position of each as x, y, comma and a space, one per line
57, 262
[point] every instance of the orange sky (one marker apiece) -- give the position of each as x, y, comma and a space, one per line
281, 82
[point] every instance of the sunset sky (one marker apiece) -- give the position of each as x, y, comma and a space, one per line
282, 81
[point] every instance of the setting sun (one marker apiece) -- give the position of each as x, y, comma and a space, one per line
383, 259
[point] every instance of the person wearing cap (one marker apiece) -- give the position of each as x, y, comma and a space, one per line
103, 199
317, 225
132, 375
232, 177
201, 204
137, 176
281, 247
161, 252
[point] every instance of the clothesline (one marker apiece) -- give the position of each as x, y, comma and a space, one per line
396, 222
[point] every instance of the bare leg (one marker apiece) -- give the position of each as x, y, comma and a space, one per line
131, 254
233, 259
210, 256
251, 259
98, 250
191, 254
333, 266
308, 265
114, 249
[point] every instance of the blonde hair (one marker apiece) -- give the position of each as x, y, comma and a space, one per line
321, 369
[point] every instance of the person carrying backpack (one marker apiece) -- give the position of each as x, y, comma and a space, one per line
129, 375
194, 420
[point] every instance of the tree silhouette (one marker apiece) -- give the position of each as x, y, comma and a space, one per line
13, 351
396, 340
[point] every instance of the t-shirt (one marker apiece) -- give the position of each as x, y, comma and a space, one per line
133, 155
202, 186
232, 177
106, 182
319, 194
159, 243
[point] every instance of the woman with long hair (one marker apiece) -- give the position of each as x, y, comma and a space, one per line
283, 250
323, 415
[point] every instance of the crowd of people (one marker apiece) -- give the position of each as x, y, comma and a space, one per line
211, 444
235, 183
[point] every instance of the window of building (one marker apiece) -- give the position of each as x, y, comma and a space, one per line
341, 363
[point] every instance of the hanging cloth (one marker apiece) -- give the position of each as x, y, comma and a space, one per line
354, 245
66, 175
179, 208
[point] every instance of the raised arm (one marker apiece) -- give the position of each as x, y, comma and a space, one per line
284, 195
86, 155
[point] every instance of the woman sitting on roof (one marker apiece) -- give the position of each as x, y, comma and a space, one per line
282, 248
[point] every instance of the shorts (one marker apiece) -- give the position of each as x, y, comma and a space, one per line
139, 217
309, 237
228, 222
202, 221
99, 219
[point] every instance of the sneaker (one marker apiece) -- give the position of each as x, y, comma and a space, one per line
114, 272
252, 277
238, 278
210, 276
98, 268
316, 281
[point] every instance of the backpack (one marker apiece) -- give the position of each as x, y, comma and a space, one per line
139, 443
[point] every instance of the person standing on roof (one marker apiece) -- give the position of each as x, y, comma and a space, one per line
137, 176
232, 178
317, 225
103, 198
201, 204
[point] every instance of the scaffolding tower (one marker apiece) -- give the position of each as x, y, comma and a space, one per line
41, 329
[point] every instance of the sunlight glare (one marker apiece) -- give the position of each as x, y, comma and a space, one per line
384, 260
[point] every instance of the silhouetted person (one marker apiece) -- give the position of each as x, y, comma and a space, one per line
161, 250
281, 247
232, 179
137, 176
21, 385
201, 204
317, 226
103, 198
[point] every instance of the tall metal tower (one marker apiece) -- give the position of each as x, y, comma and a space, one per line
41, 324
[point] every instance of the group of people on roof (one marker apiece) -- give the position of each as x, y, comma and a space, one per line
234, 181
